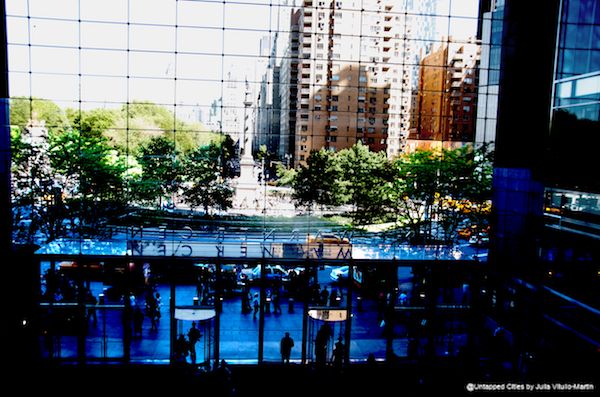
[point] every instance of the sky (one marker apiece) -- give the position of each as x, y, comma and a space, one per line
165, 64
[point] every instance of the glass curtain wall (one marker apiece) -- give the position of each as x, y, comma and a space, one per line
187, 157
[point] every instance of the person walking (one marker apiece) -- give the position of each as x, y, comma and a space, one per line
194, 336
338, 353
181, 349
276, 303
286, 348
138, 320
256, 305
323, 335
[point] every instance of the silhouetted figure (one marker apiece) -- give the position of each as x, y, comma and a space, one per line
138, 320
132, 300
180, 349
223, 379
286, 348
324, 296
333, 297
194, 336
276, 303
371, 363
246, 299
255, 305
323, 335
152, 311
91, 302
338, 353
158, 300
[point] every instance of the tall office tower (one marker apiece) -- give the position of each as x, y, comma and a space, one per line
356, 73
233, 104
265, 98
288, 89
489, 73
444, 115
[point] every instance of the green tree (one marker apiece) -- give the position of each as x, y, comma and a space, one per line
414, 190
95, 122
442, 189
205, 186
225, 148
94, 177
37, 204
24, 110
161, 171
38, 208
366, 176
144, 121
320, 181
286, 176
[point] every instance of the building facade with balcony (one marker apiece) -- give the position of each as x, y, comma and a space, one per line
446, 108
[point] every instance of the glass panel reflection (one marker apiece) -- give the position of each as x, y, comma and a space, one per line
283, 313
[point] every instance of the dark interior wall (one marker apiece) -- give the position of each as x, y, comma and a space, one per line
527, 67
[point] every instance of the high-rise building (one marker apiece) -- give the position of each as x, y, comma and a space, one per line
489, 72
444, 115
265, 99
355, 73
288, 89
232, 112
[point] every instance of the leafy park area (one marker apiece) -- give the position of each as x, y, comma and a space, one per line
77, 169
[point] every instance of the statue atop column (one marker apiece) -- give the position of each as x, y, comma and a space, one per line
247, 186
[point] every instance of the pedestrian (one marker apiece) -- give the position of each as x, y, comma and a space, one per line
138, 320
338, 353
324, 296
276, 303
132, 301
91, 303
321, 341
256, 305
181, 349
333, 297
286, 348
158, 300
246, 302
403, 298
194, 336
223, 380
152, 312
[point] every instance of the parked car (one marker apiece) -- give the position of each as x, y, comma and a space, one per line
272, 272
328, 238
480, 240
